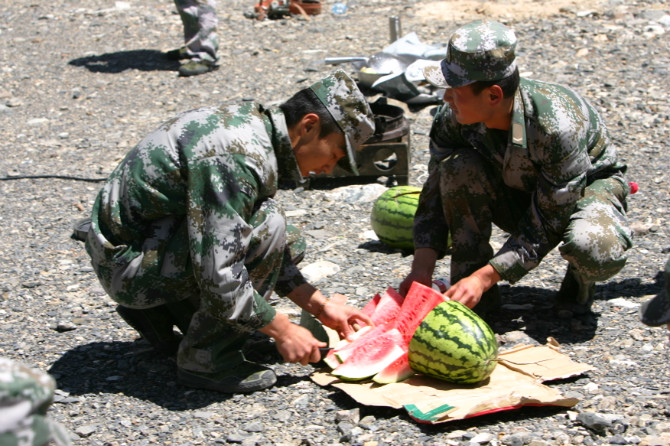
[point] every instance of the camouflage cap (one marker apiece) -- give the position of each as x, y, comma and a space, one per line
479, 51
347, 105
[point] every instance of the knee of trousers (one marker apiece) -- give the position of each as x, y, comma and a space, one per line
595, 244
464, 171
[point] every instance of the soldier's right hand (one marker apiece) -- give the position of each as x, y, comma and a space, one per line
295, 343
414, 276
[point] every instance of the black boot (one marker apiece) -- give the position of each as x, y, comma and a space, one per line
575, 296
155, 325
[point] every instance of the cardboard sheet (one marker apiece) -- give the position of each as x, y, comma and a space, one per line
516, 381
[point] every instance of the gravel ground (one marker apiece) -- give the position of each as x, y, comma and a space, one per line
82, 82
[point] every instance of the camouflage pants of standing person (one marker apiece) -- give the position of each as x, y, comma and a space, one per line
474, 196
161, 283
200, 21
25, 395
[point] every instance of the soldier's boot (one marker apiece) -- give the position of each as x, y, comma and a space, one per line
155, 325
575, 296
196, 67
242, 376
489, 303
177, 54
80, 229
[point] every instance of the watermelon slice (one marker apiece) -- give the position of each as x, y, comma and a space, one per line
371, 357
388, 307
344, 352
419, 301
398, 370
331, 358
370, 307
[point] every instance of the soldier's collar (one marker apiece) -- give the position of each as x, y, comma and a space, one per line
518, 127
287, 164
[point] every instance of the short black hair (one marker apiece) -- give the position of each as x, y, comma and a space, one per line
508, 84
303, 102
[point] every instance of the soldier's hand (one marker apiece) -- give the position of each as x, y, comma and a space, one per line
343, 318
295, 343
414, 276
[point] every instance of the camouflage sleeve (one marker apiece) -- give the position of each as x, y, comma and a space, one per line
559, 141
222, 193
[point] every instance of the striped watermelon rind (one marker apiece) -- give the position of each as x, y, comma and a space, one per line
392, 216
454, 344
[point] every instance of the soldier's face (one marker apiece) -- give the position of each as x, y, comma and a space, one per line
468, 108
320, 155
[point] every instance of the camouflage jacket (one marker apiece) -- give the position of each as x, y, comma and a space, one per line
556, 146
212, 166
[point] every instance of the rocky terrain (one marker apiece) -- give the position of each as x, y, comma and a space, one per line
82, 82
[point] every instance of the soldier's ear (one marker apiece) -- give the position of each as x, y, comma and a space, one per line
310, 122
495, 94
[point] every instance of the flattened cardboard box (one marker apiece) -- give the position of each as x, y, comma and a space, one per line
516, 381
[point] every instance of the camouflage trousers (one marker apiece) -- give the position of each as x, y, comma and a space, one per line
200, 22
474, 197
25, 395
209, 344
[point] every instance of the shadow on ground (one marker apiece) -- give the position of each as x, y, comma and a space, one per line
117, 62
133, 369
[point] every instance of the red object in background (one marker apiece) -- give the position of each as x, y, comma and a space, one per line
633, 187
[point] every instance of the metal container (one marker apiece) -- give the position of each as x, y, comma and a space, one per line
394, 28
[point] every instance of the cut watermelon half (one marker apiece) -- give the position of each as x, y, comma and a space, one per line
373, 356
419, 301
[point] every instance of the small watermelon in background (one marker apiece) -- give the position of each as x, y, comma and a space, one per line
454, 344
392, 216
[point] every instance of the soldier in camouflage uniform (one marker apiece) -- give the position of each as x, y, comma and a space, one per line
200, 39
186, 231
25, 395
533, 158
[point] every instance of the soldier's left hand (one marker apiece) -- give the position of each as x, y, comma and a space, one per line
344, 319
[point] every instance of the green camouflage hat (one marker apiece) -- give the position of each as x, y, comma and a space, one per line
347, 105
479, 51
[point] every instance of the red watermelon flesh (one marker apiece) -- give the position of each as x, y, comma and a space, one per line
331, 358
343, 353
419, 301
388, 307
370, 307
398, 370
371, 357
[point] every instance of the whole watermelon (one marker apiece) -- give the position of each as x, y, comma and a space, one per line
453, 344
392, 216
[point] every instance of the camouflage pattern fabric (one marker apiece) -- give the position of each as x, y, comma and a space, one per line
479, 51
25, 395
347, 105
553, 177
200, 22
188, 210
